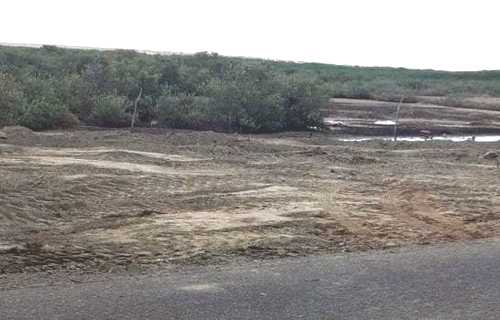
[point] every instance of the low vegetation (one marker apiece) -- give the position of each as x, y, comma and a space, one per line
51, 87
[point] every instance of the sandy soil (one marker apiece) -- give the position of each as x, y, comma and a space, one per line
114, 200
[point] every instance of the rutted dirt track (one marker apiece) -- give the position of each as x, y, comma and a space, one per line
112, 200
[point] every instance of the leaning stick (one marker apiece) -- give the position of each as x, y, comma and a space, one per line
396, 123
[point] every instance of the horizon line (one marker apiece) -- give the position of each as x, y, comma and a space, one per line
166, 53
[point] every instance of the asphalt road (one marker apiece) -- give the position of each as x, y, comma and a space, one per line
460, 281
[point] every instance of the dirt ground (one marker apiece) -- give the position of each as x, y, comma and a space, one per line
113, 200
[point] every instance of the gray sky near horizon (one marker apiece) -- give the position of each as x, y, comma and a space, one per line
423, 34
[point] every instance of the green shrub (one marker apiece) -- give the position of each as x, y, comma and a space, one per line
110, 111
77, 94
11, 99
42, 115
38, 88
302, 105
253, 99
360, 93
257, 99
247, 105
184, 112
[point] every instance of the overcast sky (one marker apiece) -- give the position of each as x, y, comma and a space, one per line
437, 34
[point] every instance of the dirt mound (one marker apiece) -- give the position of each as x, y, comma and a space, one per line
17, 132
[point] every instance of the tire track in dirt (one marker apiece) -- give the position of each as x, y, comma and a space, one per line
405, 211
420, 211
106, 164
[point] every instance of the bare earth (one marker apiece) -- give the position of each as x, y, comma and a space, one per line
114, 200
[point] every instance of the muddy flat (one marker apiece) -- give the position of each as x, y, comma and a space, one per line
113, 200
478, 115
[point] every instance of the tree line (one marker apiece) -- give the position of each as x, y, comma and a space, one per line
52, 87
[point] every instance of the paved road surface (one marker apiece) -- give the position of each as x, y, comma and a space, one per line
459, 281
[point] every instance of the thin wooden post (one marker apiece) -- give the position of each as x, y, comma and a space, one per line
136, 102
396, 123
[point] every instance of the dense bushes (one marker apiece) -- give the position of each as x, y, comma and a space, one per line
51, 87
43, 114
11, 97
184, 112
246, 100
110, 111
36, 108
203, 91
301, 101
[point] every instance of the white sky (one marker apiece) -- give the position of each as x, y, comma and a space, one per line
438, 34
